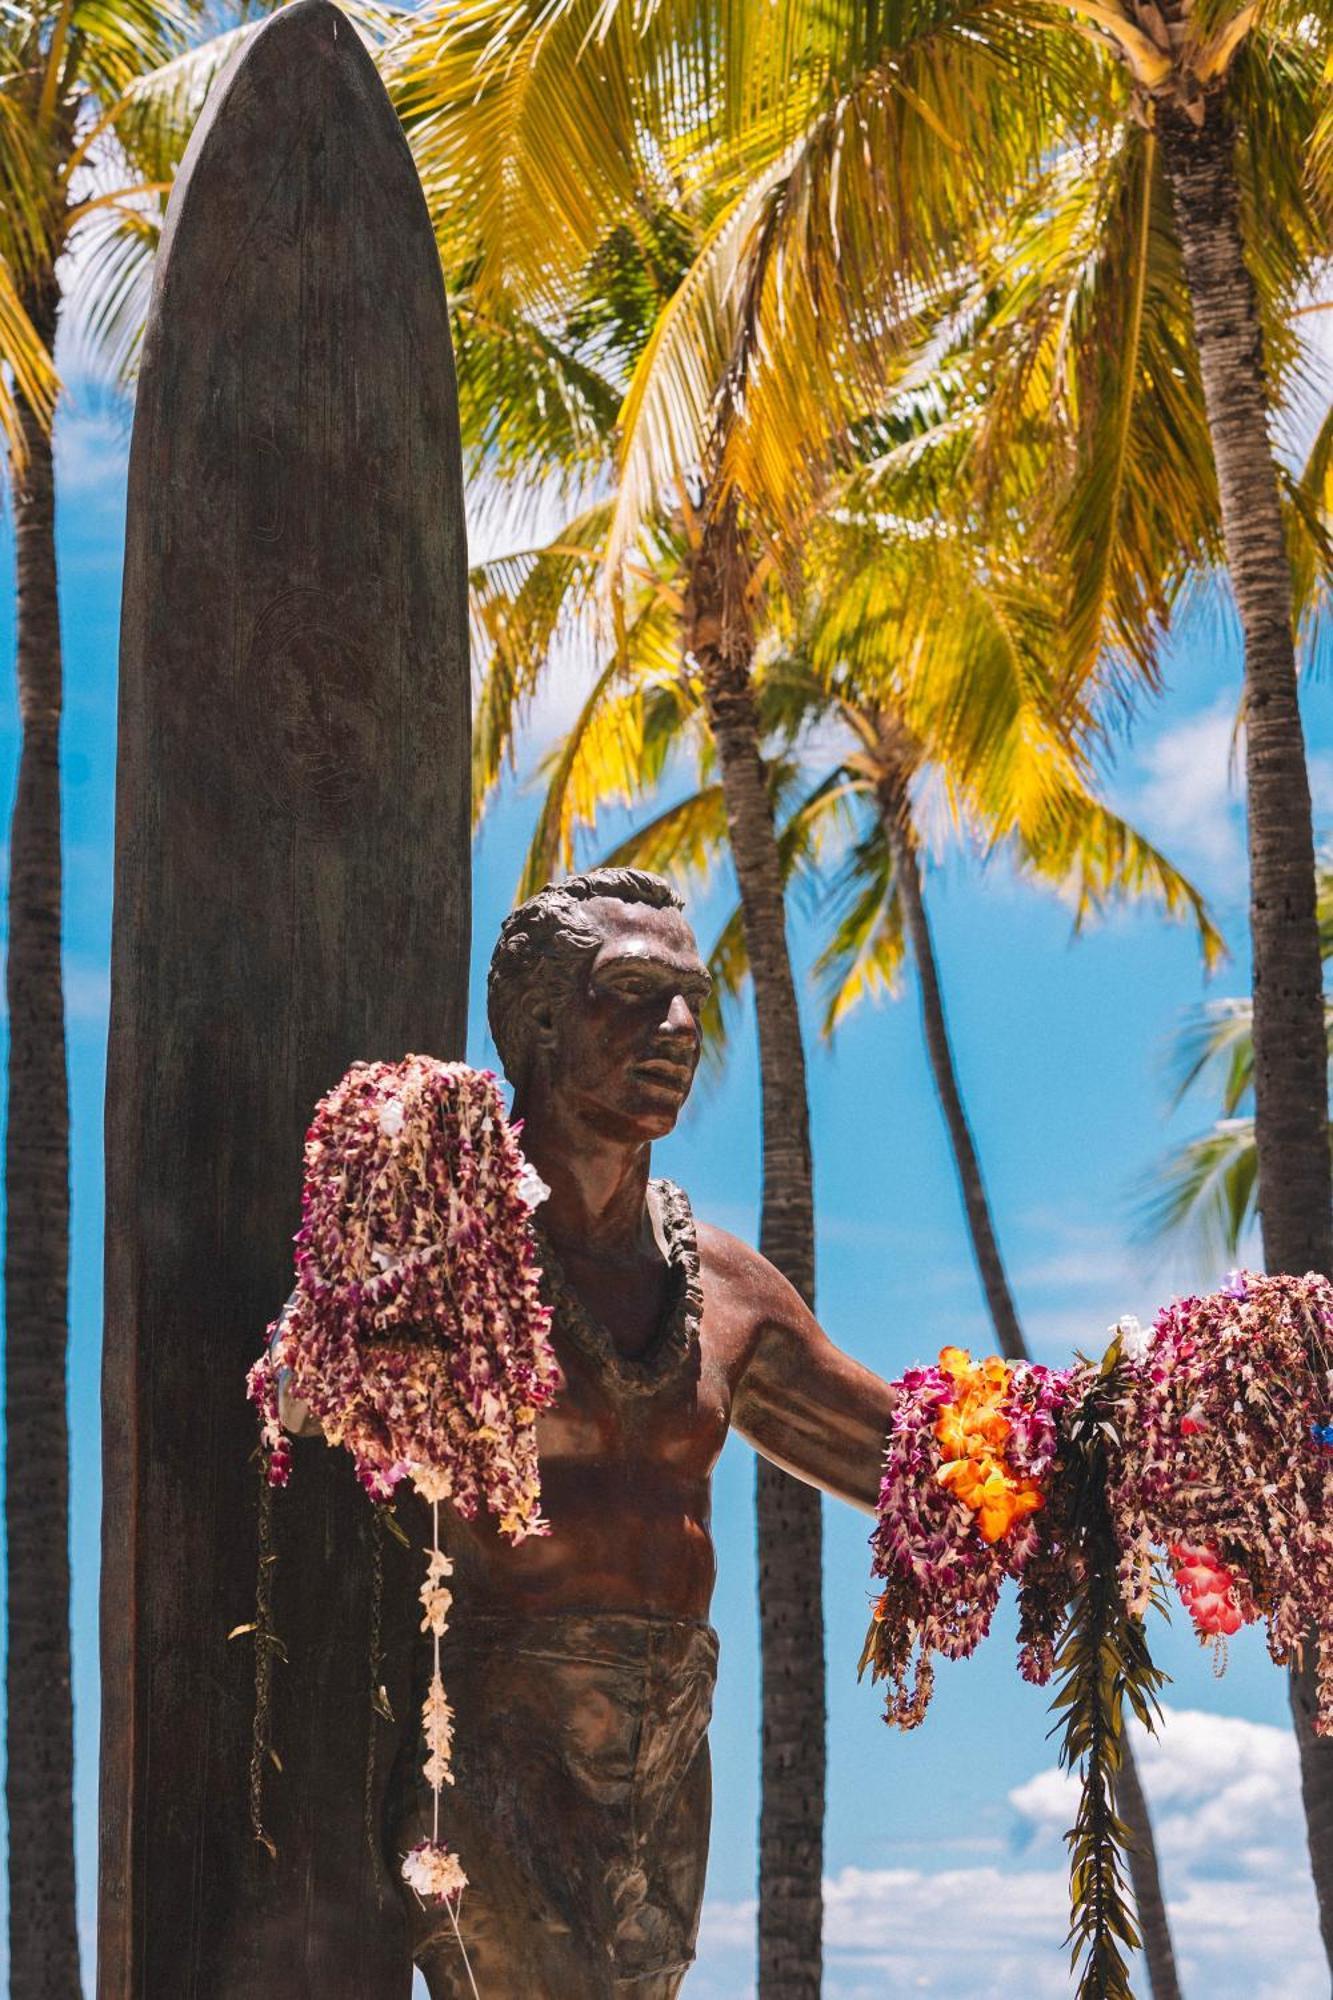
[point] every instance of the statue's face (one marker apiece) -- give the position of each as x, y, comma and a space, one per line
627, 1042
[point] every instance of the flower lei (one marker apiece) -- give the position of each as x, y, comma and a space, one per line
415, 1335
1225, 1467
1204, 1445
966, 1471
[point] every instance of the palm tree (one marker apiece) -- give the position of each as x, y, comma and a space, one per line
548, 126
1078, 845
900, 167
95, 108
1211, 127
719, 641
1178, 323
969, 698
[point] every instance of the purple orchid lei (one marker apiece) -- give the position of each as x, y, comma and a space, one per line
416, 1336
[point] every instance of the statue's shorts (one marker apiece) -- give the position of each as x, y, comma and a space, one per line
580, 1808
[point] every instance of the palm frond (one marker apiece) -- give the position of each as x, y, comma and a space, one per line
113, 43
1216, 1044
1311, 539
27, 371
638, 710
1096, 858
532, 409
910, 162
1205, 1193
668, 420
154, 115
685, 841
527, 122
1087, 359
108, 300
863, 958
523, 607
728, 968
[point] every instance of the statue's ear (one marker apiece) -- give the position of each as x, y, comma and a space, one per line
539, 1010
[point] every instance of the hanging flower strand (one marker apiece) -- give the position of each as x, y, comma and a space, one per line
430, 1867
416, 1336
1203, 1444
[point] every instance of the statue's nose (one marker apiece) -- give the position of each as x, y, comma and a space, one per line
680, 1019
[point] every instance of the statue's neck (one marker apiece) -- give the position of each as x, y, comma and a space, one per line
599, 1185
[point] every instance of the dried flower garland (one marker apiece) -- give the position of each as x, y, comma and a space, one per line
415, 1335
1222, 1463
1204, 1444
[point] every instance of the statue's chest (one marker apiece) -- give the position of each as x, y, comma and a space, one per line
632, 1305
640, 1384
682, 1421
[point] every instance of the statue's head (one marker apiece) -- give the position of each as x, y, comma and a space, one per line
595, 994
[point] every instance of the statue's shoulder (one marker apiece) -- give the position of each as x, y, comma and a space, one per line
727, 1262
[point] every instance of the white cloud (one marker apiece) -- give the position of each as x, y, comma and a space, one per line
1225, 1799
1084, 1256
1207, 1778
1189, 800
92, 448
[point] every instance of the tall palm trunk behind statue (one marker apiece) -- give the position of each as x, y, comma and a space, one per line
791, 1826
1130, 1802
43, 1937
1290, 1044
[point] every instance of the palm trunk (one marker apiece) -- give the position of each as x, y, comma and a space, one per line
790, 1527
43, 1934
1145, 1877
1290, 1042
1144, 1871
981, 1228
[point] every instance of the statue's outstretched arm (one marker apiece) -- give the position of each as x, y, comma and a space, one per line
804, 1403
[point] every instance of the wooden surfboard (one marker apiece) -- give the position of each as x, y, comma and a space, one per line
291, 894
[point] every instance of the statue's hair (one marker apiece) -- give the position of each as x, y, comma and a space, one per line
543, 943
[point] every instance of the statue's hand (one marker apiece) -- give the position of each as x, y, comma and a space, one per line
293, 1414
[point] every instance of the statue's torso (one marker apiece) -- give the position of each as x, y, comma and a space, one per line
628, 1451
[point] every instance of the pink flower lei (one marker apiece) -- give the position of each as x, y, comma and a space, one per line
416, 1336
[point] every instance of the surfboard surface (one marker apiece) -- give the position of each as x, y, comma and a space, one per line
291, 894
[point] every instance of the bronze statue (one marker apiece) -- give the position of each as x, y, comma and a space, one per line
581, 1665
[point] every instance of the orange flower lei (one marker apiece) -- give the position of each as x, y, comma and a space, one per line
973, 1434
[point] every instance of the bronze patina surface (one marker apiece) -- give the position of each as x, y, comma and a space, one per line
581, 1663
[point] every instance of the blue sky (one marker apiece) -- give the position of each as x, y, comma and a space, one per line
945, 1857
